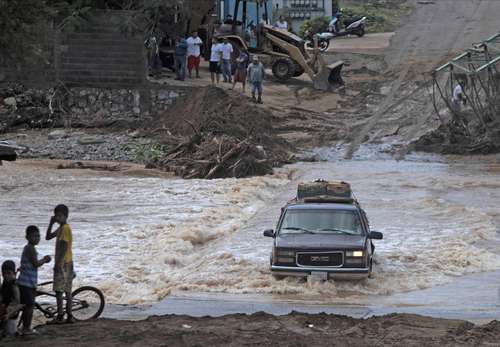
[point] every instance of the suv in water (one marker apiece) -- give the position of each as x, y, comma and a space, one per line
323, 234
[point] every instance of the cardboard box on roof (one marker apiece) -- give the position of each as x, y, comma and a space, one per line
318, 188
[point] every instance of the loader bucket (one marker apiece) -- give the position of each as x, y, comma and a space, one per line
329, 77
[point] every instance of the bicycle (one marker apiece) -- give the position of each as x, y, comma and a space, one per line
87, 302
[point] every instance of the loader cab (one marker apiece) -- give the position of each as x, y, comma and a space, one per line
244, 19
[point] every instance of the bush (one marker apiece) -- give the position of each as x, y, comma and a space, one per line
315, 25
381, 16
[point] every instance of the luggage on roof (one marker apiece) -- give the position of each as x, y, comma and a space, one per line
328, 189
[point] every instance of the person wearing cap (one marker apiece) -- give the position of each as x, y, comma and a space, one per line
256, 73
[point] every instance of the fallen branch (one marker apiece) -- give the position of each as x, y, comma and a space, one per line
92, 166
236, 149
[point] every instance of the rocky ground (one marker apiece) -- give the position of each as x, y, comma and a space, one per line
260, 329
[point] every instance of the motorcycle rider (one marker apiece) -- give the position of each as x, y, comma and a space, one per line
334, 25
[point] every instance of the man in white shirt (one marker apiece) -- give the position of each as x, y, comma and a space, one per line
215, 60
193, 52
227, 50
282, 24
458, 96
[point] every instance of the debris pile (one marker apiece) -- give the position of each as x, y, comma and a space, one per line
223, 135
453, 138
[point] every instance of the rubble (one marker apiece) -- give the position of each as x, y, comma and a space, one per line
452, 138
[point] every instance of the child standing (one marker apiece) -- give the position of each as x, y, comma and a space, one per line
10, 299
240, 74
63, 262
28, 278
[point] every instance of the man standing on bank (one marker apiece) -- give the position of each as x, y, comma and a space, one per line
227, 50
194, 51
180, 58
255, 73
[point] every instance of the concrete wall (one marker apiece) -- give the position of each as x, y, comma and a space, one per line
98, 53
101, 54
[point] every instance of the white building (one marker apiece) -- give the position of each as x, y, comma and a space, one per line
301, 10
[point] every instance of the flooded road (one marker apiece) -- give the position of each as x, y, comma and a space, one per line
140, 239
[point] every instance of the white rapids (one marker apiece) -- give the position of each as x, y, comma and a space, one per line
139, 239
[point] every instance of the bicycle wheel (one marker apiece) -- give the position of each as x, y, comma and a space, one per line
46, 304
88, 303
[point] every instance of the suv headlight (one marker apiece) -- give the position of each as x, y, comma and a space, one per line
285, 256
354, 257
283, 253
354, 254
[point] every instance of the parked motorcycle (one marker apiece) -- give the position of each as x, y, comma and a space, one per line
323, 40
353, 26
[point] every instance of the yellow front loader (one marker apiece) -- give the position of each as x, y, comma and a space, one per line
283, 51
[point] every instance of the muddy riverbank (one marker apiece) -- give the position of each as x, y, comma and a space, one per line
260, 329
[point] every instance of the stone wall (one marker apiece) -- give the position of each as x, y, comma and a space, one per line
102, 107
22, 107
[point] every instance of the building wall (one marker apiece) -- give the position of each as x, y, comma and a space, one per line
97, 54
100, 54
300, 10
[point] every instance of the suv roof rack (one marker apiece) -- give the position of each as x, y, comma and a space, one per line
328, 199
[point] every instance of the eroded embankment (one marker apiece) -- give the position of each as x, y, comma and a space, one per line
295, 329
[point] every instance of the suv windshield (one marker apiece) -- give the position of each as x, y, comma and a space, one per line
321, 222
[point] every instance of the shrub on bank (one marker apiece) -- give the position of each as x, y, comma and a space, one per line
315, 25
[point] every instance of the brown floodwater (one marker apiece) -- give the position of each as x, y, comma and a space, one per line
139, 239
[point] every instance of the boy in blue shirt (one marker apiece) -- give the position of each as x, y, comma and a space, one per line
28, 278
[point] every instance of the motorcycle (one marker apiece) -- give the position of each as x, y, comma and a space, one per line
353, 26
323, 40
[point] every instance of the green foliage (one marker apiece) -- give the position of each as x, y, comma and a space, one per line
314, 25
18, 29
382, 15
145, 153
335, 6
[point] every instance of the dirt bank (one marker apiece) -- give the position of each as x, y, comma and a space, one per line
213, 133
295, 329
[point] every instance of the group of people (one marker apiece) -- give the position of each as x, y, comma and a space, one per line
239, 70
18, 293
188, 53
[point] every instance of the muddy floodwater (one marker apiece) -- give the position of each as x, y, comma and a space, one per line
140, 239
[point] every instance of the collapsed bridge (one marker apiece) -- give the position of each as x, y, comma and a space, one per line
477, 70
